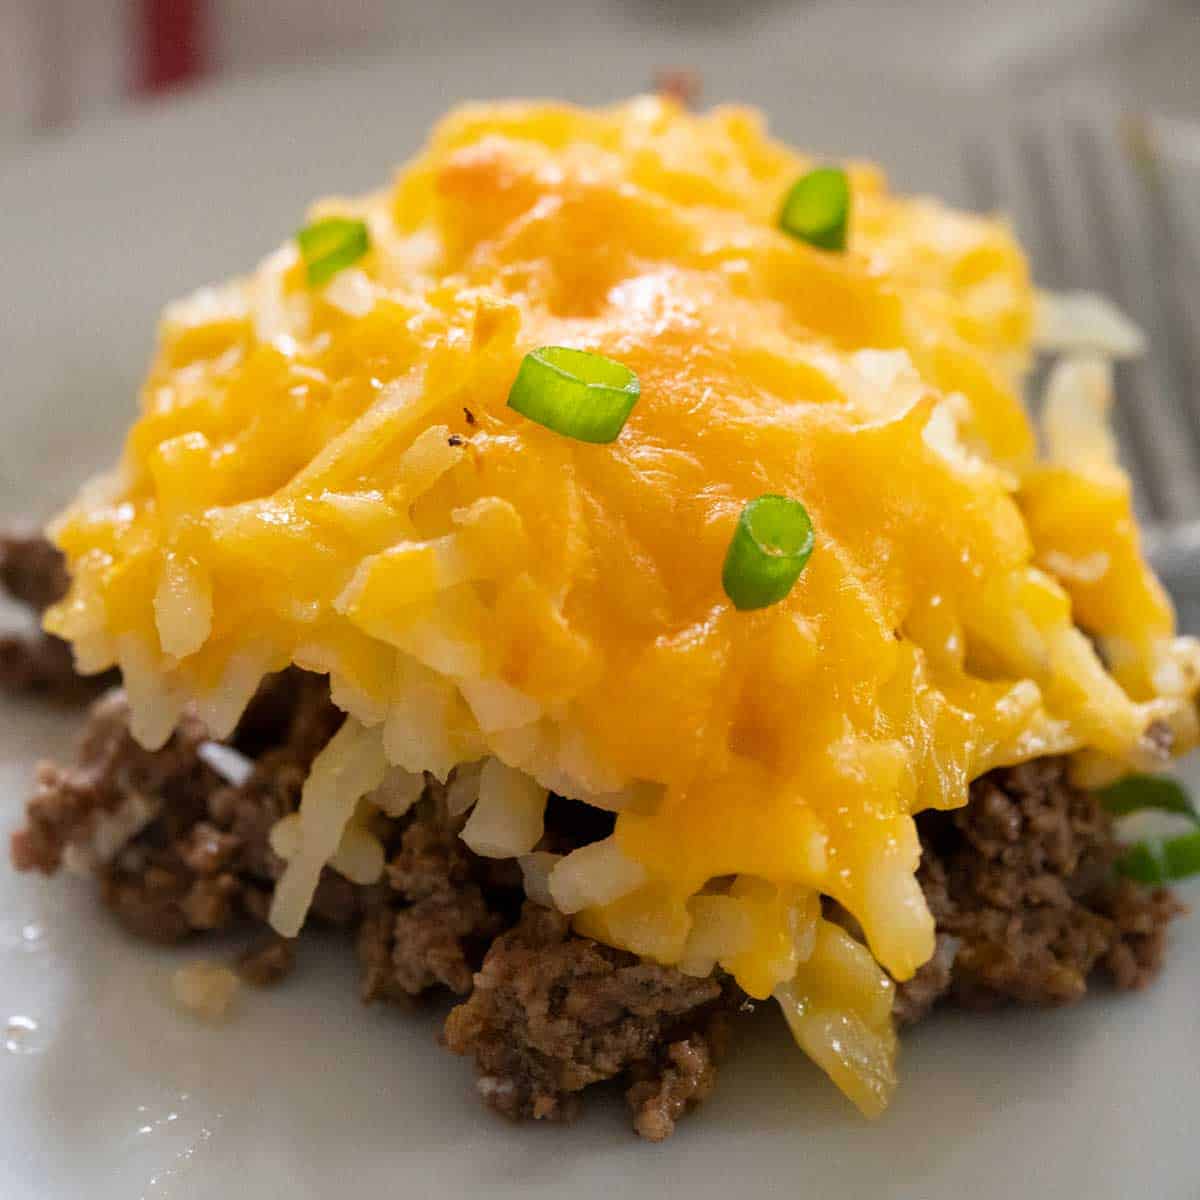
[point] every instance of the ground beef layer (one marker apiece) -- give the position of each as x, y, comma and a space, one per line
1019, 881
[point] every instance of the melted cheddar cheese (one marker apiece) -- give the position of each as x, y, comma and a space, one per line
330, 476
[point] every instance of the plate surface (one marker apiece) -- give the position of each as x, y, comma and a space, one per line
306, 1094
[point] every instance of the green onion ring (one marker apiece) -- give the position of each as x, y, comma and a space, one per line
769, 548
1162, 860
1140, 793
1155, 860
579, 394
330, 246
817, 209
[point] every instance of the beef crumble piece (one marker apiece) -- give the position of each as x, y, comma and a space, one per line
552, 1012
440, 907
1020, 884
177, 850
682, 1075
915, 997
267, 963
115, 788
1140, 918
39, 664
34, 573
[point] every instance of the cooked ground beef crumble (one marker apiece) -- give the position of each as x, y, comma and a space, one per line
1027, 907
34, 574
551, 1012
440, 907
1019, 882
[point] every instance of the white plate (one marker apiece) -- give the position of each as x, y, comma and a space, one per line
306, 1094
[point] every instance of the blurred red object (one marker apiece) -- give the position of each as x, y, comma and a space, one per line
174, 42
679, 83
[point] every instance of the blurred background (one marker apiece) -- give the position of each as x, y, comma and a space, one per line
1078, 118
61, 60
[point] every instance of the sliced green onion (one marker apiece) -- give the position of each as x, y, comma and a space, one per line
575, 392
1138, 793
771, 544
1155, 860
330, 246
1162, 860
817, 208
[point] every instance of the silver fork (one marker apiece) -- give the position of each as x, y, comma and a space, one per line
1086, 192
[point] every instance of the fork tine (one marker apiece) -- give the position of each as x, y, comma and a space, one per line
998, 172
1057, 212
1175, 269
1069, 217
1087, 222
1121, 230
1058, 265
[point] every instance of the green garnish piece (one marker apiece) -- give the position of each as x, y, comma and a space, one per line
579, 394
1139, 793
770, 547
1162, 860
817, 208
330, 246
1155, 860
